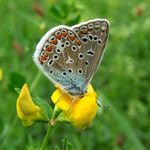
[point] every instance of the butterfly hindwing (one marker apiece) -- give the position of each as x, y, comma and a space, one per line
93, 34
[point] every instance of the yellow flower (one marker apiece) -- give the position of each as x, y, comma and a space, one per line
27, 111
79, 113
1, 74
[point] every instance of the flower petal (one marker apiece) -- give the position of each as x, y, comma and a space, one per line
27, 111
62, 101
81, 112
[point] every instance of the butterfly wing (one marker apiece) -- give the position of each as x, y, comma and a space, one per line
57, 56
93, 34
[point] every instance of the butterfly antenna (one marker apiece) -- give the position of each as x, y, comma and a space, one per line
100, 104
64, 92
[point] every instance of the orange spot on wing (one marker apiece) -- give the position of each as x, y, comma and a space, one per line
64, 34
78, 42
54, 41
49, 48
44, 58
72, 38
58, 36
41, 62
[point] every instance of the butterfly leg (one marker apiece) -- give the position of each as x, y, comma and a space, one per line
72, 102
61, 96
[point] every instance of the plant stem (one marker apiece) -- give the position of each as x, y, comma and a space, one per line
46, 138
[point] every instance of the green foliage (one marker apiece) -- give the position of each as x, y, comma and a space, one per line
66, 13
66, 145
46, 108
16, 80
123, 77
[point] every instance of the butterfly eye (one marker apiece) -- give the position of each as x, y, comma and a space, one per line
80, 71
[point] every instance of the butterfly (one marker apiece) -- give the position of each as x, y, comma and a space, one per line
69, 56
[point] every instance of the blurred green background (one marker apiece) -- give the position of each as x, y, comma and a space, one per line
123, 79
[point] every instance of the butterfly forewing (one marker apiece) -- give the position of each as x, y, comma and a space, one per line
93, 35
57, 56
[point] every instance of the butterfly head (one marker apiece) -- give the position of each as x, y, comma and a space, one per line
77, 90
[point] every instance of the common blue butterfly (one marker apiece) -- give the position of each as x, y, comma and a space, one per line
69, 56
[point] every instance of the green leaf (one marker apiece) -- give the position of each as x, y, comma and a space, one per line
57, 148
69, 146
46, 108
66, 13
65, 140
